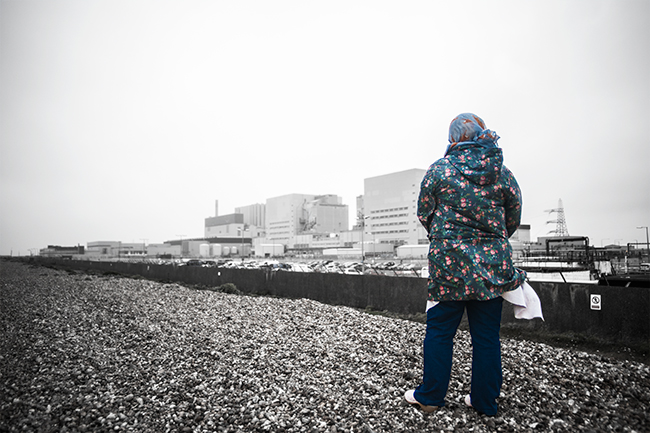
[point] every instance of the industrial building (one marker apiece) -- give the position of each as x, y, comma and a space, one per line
61, 251
307, 225
389, 212
105, 249
291, 215
225, 225
254, 215
387, 218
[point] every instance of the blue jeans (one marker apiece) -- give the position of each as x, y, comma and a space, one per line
484, 323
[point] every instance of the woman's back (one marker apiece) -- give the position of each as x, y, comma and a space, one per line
470, 204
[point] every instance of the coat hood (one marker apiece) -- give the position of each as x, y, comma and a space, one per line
480, 164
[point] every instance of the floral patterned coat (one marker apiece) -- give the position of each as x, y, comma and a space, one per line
470, 204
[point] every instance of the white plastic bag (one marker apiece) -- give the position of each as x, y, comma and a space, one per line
525, 301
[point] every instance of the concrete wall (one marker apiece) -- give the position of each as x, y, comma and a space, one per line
624, 314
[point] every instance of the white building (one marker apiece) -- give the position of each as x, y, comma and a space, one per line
307, 224
268, 250
102, 248
520, 240
163, 250
213, 247
390, 208
224, 226
109, 249
291, 215
254, 214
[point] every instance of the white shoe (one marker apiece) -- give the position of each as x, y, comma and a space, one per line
408, 396
468, 400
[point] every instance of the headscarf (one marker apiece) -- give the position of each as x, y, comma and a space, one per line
468, 127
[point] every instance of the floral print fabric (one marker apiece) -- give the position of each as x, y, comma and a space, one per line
470, 204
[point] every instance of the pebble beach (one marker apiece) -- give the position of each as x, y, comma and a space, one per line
103, 353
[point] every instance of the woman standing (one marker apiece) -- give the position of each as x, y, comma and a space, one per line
470, 204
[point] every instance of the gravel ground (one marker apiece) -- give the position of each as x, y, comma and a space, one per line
83, 352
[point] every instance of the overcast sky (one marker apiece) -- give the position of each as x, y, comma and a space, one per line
126, 120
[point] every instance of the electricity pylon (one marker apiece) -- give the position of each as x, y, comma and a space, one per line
560, 223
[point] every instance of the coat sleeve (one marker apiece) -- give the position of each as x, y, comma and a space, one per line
512, 202
427, 199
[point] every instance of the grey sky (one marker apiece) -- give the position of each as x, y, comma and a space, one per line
125, 120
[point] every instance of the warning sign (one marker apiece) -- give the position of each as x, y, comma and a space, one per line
594, 300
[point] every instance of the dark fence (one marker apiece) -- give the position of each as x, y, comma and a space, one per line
623, 317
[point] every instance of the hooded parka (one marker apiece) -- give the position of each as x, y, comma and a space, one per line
470, 204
